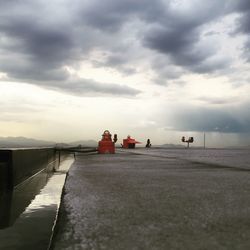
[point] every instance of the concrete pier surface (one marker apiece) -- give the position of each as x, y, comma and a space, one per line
133, 200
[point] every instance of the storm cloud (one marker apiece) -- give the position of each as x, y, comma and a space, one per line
90, 87
39, 39
243, 27
202, 119
36, 48
110, 15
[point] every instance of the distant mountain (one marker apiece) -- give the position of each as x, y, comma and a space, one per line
85, 143
23, 142
238, 147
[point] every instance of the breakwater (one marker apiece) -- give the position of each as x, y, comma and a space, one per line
16, 165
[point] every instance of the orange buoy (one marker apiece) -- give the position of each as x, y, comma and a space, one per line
106, 145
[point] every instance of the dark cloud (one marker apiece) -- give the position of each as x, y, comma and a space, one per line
38, 42
242, 6
242, 24
243, 21
36, 47
170, 40
89, 87
40, 38
110, 15
179, 37
26, 71
212, 120
165, 71
118, 61
210, 65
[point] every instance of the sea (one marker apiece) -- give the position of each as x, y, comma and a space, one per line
237, 158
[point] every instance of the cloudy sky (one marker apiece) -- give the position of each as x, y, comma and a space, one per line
160, 69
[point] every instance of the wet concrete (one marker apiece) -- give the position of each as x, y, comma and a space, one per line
13, 203
28, 213
134, 201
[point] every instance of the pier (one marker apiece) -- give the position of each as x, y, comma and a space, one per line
139, 199
144, 200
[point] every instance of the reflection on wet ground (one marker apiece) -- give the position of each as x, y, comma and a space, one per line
28, 213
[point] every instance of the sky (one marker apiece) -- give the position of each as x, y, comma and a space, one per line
162, 69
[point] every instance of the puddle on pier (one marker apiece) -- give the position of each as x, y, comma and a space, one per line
28, 213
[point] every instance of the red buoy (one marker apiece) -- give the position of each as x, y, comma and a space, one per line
129, 142
106, 145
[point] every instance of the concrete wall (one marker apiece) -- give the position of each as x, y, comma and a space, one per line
27, 162
16, 165
5, 169
3, 174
